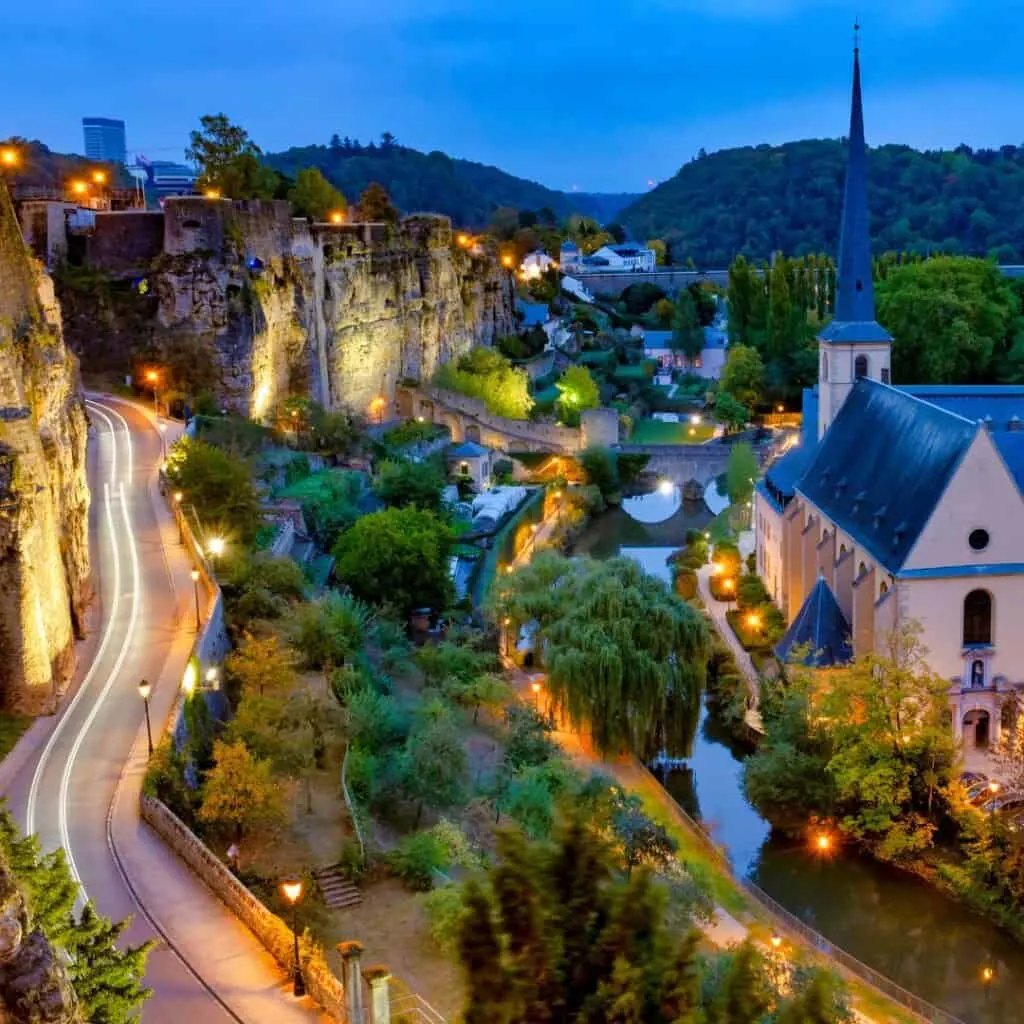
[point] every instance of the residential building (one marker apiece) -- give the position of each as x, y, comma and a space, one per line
570, 258
709, 364
626, 257
165, 178
536, 264
104, 139
901, 507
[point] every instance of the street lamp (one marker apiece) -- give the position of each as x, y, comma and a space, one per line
292, 889
377, 405
144, 691
79, 188
162, 427
728, 586
776, 941
536, 694
179, 515
823, 843
8, 157
99, 177
507, 261
754, 621
195, 587
993, 788
337, 217
212, 193
153, 379
666, 487
216, 549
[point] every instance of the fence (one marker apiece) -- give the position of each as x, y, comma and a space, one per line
349, 803
791, 923
409, 1008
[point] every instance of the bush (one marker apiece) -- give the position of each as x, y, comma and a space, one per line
529, 737
445, 911
686, 584
350, 860
417, 858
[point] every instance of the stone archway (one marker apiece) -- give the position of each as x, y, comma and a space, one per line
472, 432
426, 410
454, 425
976, 728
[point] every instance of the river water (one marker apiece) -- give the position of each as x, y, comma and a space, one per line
914, 935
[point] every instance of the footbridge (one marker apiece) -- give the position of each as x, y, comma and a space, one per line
686, 463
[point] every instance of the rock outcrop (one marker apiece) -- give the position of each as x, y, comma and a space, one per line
260, 306
44, 497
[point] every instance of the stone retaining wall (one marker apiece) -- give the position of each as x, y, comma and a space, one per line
271, 931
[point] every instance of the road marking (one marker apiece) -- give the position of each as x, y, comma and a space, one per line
41, 764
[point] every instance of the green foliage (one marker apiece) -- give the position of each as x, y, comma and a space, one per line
445, 909
219, 486
488, 376
615, 641
639, 298
398, 556
229, 161
375, 205
314, 196
687, 332
732, 413
953, 320
743, 375
756, 200
601, 469
260, 586
741, 473
436, 767
411, 432
528, 738
330, 503
402, 482
578, 392
416, 858
328, 632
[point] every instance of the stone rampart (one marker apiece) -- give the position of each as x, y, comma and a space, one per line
670, 280
125, 242
272, 932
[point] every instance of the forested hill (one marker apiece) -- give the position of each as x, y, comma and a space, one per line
467, 192
757, 200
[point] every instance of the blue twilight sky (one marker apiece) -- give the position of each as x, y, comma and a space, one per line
598, 94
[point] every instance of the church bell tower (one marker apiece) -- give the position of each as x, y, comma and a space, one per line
854, 344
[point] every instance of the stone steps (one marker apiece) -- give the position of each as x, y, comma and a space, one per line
338, 892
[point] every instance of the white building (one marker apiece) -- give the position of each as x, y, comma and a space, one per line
536, 264
625, 257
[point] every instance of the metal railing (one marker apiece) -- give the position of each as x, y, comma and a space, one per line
410, 1008
350, 804
792, 924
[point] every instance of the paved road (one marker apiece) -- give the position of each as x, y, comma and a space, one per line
78, 785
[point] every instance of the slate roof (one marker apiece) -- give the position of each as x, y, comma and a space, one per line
568, 246
534, 313
785, 473
467, 450
883, 465
1011, 448
821, 627
995, 404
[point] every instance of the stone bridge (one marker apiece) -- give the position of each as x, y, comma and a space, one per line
467, 419
687, 463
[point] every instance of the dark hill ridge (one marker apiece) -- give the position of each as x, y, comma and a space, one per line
757, 200
466, 191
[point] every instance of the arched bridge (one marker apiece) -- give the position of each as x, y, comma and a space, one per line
683, 463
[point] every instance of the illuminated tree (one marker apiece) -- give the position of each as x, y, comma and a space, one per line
314, 196
240, 791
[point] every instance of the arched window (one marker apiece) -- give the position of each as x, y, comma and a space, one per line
860, 367
824, 366
861, 569
883, 589
978, 618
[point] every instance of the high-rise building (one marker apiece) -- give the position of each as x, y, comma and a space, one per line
104, 139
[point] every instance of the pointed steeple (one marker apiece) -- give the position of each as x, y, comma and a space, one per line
855, 298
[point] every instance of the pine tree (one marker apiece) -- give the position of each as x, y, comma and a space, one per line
746, 994
681, 983
106, 978
480, 955
819, 1001
780, 313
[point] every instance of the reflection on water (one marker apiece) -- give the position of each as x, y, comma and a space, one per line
658, 506
925, 942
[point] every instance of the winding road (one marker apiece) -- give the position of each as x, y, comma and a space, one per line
77, 787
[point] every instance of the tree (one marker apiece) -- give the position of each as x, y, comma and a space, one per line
480, 956
240, 791
486, 374
218, 485
746, 993
228, 160
618, 646
314, 196
330, 631
741, 472
642, 840
687, 334
659, 250
402, 482
729, 411
601, 469
262, 665
398, 556
743, 375
375, 205
436, 766
106, 978
578, 391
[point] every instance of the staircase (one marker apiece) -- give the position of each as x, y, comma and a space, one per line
338, 891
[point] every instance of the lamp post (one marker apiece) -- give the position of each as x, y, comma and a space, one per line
292, 889
216, 549
987, 977
536, 694
144, 691
195, 588
153, 379
162, 427
179, 515
993, 788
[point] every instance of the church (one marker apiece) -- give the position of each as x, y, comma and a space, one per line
900, 503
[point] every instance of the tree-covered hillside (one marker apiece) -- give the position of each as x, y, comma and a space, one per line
758, 200
467, 192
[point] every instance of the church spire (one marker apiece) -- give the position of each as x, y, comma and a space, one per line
855, 293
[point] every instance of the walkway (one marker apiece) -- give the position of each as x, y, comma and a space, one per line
716, 613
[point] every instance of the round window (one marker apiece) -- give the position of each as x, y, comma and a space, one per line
978, 539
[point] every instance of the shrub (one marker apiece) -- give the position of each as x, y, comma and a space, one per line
375, 722
529, 737
445, 911
416, 859
686, 584
350, 860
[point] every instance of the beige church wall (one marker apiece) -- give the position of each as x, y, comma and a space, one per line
794, 575
863, 623
938, 606
770, 547
982, 495
809, 543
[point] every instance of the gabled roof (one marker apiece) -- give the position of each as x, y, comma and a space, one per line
569, 246
883, 465
467, 450
821, 627
999, 406
785, 473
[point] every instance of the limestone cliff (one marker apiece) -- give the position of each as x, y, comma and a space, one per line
339, 312
44, 497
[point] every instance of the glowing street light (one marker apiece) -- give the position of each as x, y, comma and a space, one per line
987, 974
536, 694
100, 177
377, 405
337, 217
754, 621
216, 546
695, 420
666, 487
144, 691
729, 585
463, 239
79, 188
776, 941
9, 157
212, 193
292, 889
823, 843
195, 587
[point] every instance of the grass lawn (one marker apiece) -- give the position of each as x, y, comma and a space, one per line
658, 432
12, 728
315, 485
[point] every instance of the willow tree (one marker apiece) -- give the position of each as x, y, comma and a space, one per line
623, 655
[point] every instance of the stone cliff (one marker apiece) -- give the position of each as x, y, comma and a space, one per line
264, 306
44, 497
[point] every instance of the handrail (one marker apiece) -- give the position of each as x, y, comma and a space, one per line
350, 804
920, 1007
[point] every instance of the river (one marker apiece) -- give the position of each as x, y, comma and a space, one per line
896, 924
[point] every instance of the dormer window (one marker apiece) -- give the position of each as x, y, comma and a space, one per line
860, 367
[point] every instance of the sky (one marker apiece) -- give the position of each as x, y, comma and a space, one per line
599, 95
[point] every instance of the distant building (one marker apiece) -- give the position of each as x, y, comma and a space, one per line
535, 264
104, 139
570, 258
709, 364
623, 257
164, 178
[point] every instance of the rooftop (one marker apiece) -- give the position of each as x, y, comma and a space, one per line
467, 450
821, 628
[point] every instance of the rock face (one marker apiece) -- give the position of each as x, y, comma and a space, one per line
44, 497
34, 986
339, 312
